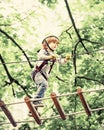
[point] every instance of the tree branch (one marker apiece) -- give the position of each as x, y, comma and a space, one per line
87, 78
11, 79
9, 37
75, 28
93, 42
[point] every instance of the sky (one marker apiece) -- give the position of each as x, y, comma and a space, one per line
48, 25
48, 22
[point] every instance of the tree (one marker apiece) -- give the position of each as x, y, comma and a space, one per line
81, 35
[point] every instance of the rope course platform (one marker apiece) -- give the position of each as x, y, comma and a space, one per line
54, 97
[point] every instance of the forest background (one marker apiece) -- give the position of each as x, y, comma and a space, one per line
79, 24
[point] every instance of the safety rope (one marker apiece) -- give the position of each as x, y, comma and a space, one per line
14, 62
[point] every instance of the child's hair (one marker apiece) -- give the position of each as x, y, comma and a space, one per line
49, 39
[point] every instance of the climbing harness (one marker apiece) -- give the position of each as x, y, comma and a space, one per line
39, 69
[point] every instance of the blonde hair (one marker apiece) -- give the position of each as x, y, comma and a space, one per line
49, 39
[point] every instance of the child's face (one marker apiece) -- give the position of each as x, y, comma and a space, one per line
53, 45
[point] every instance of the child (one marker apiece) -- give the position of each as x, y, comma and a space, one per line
46, 60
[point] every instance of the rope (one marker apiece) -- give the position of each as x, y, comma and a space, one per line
69, 94
57, 116
15, 62
53, 117
87, 91
30, 100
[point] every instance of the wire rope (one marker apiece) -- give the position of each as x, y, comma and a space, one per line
53, 117
68, 94
14, 62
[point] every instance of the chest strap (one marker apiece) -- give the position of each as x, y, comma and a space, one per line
51, 66
39, 68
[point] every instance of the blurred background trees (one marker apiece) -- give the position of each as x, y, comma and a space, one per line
23, 25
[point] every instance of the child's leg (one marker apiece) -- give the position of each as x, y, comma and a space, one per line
41, 89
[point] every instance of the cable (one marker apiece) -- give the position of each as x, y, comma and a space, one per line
69, 94
57, 116
53, 117
14, 62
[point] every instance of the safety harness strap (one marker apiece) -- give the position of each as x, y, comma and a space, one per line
48, 45
39, 68
51, 66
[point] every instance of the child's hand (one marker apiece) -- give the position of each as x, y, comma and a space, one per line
53, 57
67, 57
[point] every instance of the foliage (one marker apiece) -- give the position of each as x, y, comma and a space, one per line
49, 3
19, 43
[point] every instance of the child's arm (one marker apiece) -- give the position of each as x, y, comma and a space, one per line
63, 60
67, 58
42, 55
50, 57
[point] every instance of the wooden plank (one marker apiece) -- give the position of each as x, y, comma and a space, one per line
83, 101
58, 106
33, 110
7, 113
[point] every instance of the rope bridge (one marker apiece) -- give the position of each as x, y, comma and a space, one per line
57, 104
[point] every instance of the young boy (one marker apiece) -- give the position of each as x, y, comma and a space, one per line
46, 60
